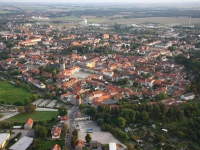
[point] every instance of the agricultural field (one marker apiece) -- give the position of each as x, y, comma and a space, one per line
66, 19
3, 12
36, 116
162, 20
10, 94
24, 7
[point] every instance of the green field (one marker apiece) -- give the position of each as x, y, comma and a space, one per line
4, 12
49, 144
67, 19
36, 116
10, 94
33, 7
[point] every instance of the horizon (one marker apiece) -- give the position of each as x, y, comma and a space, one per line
99, 1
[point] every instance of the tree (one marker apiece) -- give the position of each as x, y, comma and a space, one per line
81, 106
64, 148
62, 111
75, 133
17, 84
34, 97
88, 138
27, 101
130, 146
40, 131
172, 48
162, 96
30, 108
120, 122
21, 109
74, 137
144, 115
65, 128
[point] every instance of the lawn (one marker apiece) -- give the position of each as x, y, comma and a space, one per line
36, 116
49, 144
10, 94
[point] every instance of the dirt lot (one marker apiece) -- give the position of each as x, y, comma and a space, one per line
97, 135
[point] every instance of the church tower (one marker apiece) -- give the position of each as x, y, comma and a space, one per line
62, 64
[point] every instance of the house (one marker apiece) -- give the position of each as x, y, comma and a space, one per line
56, 147
63, 119
29, 123
55, 132
79, 145
3, 139
188, 96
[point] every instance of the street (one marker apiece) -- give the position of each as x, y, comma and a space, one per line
71, 116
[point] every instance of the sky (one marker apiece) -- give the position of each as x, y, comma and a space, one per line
102, 1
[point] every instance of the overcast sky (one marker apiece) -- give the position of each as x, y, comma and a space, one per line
101, 1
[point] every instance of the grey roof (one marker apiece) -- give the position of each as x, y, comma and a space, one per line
22, 144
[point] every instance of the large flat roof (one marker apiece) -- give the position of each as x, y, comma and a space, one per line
3, 137
112, 146
22, 144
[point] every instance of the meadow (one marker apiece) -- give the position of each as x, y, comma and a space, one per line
36, 116
10, 94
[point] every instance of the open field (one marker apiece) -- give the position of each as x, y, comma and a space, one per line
4, 12
24, 7
36, 116
66, 19
161, 20
10, 94
49, 144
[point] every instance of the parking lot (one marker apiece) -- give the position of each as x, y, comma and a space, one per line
97, 134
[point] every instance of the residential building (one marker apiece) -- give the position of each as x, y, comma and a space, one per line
56, 147
29, 123
55, 132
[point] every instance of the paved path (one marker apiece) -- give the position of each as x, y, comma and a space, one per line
46, 109
8, 116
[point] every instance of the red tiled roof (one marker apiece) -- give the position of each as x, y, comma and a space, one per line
29, 121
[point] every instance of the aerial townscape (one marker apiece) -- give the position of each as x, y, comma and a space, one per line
99, 76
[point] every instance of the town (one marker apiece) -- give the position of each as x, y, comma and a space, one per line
80, 84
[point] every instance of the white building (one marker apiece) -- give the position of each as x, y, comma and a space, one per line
22, 144
188, 96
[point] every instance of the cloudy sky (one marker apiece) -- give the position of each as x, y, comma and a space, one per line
100, 1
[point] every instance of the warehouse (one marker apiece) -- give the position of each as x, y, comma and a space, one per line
3, 139
22, 144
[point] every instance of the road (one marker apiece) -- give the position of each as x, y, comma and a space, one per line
71, 116
9, 116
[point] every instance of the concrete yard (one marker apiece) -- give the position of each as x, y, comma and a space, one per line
44, 103
52, 104
37, 102
97, 135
